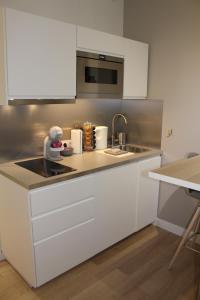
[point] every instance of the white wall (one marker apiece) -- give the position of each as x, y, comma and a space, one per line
104, 15
172, 28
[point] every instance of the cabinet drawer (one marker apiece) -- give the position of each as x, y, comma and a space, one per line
61, 194
61, 253
63, 219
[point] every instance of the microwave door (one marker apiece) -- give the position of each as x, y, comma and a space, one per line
99, 78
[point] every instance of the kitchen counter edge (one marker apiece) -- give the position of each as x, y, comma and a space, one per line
18, 174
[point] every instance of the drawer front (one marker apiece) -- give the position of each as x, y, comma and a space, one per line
61, 253
62, 219
59, 195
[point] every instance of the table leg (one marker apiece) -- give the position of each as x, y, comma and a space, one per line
185, 236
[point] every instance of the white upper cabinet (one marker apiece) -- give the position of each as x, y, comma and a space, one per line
99, 42
38, 57
135, 69
135, 58
41, 57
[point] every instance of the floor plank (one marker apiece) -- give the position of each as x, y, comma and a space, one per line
134, 269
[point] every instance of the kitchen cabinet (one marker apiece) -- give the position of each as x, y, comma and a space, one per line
40, 56
147, 192
100, 42
116, 204
135, 69
63, 225
49, 230
135, 58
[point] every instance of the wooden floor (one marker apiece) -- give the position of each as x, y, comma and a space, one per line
134, 269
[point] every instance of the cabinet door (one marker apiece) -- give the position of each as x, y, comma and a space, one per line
62, 252
147, 192
116, 204
135, 69
41, 57
100, 42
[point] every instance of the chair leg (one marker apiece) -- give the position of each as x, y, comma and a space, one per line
196, 232
185, 236
197, 226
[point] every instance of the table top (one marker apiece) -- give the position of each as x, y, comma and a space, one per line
184, 173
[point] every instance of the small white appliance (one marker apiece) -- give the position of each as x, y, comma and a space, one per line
101, 137
53, 144
77, 140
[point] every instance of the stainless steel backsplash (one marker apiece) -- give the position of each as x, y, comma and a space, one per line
144, 121
23, 128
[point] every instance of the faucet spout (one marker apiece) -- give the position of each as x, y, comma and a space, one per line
115, 117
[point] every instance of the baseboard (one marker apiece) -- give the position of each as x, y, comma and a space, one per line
169, 226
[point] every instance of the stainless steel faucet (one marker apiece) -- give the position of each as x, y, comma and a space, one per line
113, 126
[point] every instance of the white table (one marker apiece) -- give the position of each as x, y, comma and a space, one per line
184, 173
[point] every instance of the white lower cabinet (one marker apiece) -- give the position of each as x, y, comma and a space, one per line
116, 204
62, 252
147, 192
63, 226
49, 230
63, 219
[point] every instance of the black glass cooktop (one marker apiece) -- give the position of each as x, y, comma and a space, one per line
44, 167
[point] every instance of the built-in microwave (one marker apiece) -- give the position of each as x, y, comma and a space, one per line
99, 75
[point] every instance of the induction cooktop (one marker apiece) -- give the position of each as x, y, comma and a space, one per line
44, 167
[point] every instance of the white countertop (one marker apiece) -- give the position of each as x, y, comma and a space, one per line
85, 163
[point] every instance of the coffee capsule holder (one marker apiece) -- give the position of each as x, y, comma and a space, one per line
89, 137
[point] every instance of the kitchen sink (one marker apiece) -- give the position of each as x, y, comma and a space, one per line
133, 148
123, 149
